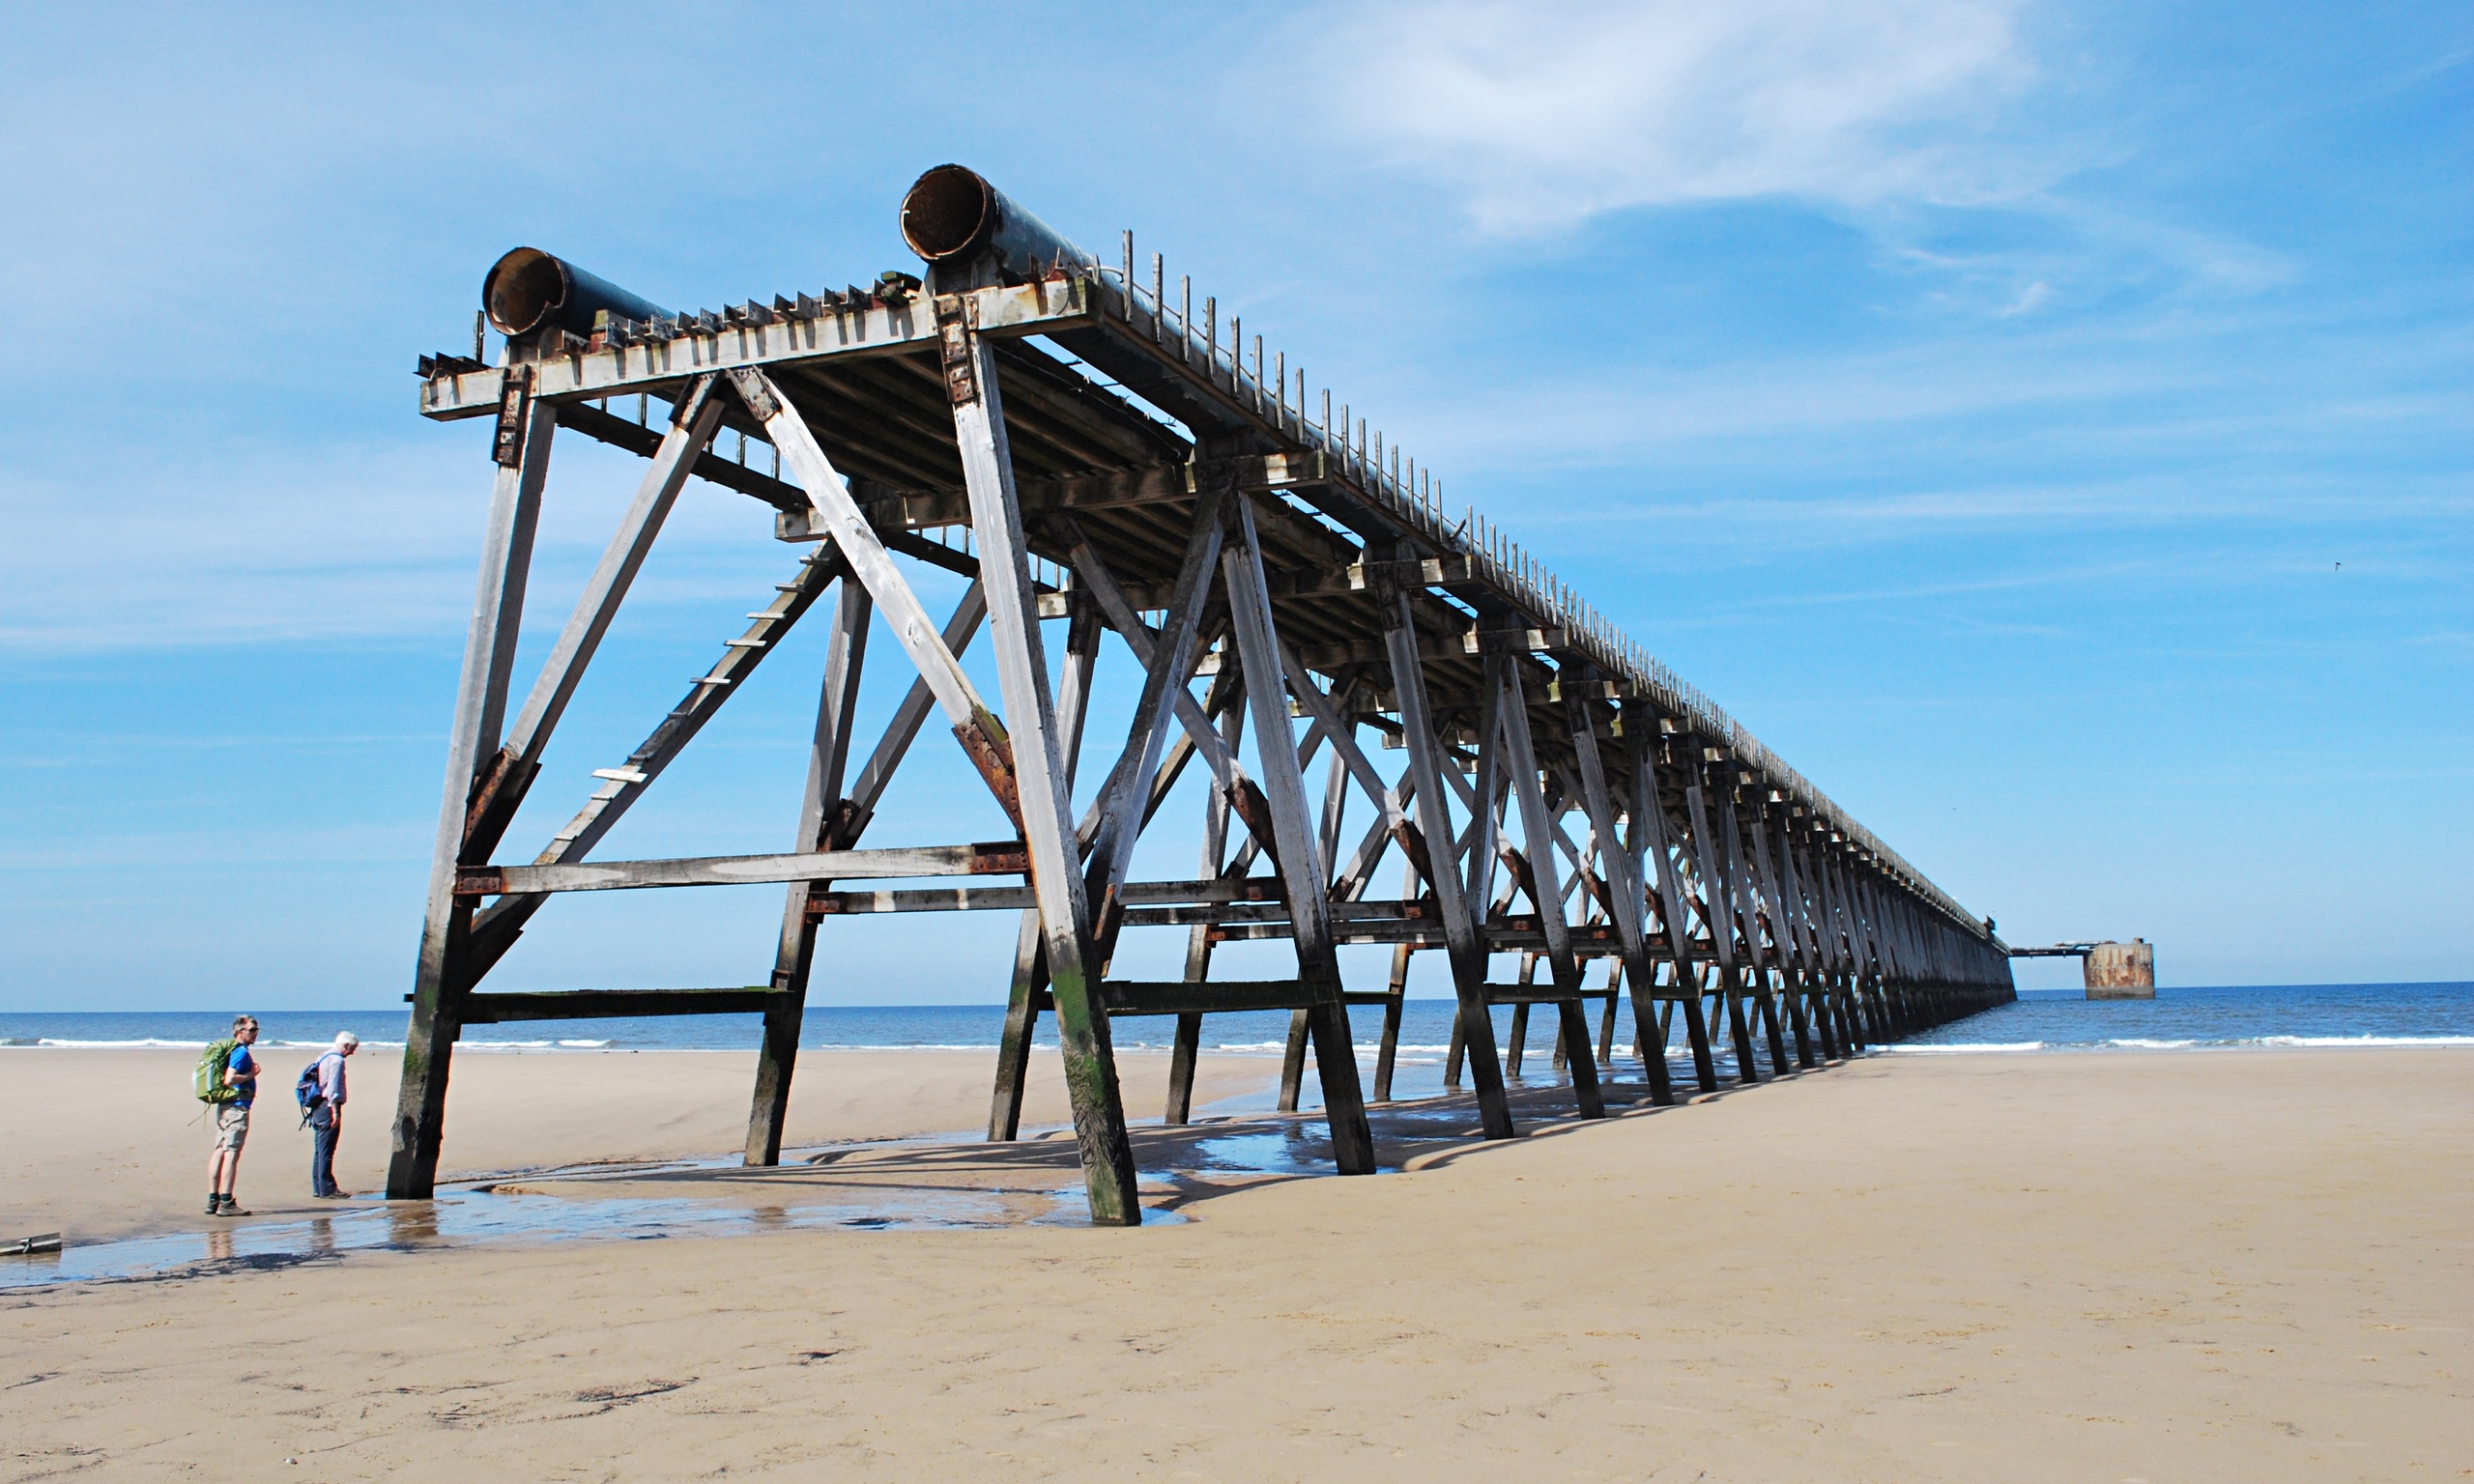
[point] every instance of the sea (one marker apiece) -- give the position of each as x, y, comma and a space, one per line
2041, 1023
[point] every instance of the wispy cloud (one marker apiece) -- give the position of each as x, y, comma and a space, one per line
1545, 114
249, 544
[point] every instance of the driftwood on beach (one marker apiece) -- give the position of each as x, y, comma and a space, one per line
1145, 475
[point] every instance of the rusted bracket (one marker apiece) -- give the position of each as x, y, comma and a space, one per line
687, 408
1413, 844
1246, 800
515, 400
982, 737
1107, 918
839, 828
1518, 863
987, 858
1428, 572
954, 349
496, 790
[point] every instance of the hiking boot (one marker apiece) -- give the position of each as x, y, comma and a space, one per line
230, 1206
213, 1204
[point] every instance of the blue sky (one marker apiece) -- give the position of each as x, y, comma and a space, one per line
2047, 426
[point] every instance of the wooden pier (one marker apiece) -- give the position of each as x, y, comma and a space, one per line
1108, 464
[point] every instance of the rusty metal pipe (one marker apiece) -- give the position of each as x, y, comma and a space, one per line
951, 215
529, 289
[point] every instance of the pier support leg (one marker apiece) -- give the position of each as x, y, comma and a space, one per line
1386, 1053
1538, 827
1516, 1040
1032, 737
1472, 1030
1651, 840
444, 971
1747, 1065
1292, 1063
820, 811
1304, 873
1023, 993
1185, 1050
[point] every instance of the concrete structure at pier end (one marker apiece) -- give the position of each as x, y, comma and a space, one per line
2121, 971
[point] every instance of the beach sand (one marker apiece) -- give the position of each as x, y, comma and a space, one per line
2146, 1266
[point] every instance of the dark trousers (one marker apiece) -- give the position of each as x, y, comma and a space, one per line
322, 1153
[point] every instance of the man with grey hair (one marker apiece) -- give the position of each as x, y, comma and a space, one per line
327, 1119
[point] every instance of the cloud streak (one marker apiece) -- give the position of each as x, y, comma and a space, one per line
1544, 115
243, 544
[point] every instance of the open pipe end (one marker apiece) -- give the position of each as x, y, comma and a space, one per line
523, 290
949, 212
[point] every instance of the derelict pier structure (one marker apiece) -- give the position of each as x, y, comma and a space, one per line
1107, 465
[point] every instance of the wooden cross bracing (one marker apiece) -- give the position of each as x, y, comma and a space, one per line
1559, 797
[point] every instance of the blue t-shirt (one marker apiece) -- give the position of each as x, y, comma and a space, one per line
245, 1067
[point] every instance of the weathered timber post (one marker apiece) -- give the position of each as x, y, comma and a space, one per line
1629, 899
1301, 869
1780, 930
1802, 951
1398, 988
822, 817
1652, 835
1029, 980
1847, 940
1476, 1028
1717, 909
1185, 1050
1037, 761
480, 710
1743, 900
1537, 828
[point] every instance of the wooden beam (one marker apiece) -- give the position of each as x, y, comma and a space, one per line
506, 1007
1717, 909
1188, 997
1169, 667
1046, 810
1780, 933
480, 702
1395, 999
995, 858
510, 774
1434, 819
1027, 991
1140, 638
1629, 903
496, 927
1647, 818
975, 726
1538, 827
1185, 1049
1527, 992
912, 712
876, 325
822, 817
1743, 903
1300, 864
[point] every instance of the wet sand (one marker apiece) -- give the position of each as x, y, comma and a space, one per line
114, 1144
2134, 1267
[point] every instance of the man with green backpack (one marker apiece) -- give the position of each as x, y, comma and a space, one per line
227, 1083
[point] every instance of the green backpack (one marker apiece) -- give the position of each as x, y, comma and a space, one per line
210, 1086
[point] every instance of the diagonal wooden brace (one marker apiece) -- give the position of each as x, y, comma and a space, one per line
982, 737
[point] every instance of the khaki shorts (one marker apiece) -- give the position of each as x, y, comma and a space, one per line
230, 1125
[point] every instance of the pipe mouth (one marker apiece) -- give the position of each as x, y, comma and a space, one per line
949, 212
523, 290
